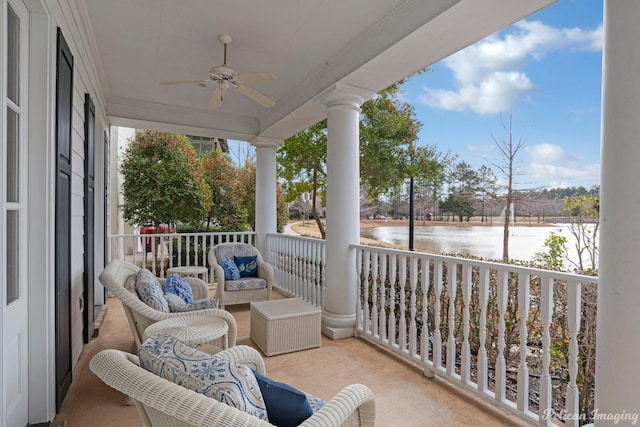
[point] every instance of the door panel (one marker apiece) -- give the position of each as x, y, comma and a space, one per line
13, 215
64, 97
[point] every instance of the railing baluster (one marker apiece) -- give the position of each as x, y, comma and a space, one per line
374, 289
413, 283
437, 335
574, 314
523, 369
383, 297
392, 300
465, 359
360, 318
546, 311
501, 366
424, 336
403, 305
452, 273
364, 279
483, 296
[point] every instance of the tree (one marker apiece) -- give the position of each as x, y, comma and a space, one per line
388, 156
227, 212
388, 131
585, 213
508, 166
163, 180
302, 163
487, 186
458, 205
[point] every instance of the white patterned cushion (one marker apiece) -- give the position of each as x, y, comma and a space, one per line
230, 251
245, 283
227, 382
177, 304
150, 291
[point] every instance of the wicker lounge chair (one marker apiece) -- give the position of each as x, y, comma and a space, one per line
231, 292
162, 403
140, 315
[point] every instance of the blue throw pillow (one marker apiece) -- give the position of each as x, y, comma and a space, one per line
230, 269
247, 265
178, 286
286, 406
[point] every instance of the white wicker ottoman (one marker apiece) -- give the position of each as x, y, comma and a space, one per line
285, 325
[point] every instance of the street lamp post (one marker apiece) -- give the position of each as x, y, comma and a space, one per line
411, 214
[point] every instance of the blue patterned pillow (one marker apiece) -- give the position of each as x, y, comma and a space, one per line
227, 382
150, 291
247, 265
179, 286
230, 269
286, 405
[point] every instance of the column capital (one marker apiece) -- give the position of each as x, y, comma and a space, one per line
264, 142
340, 94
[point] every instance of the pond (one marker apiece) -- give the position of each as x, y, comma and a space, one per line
481, 241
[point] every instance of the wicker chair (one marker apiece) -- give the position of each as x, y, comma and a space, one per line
224, 292
141, 316
162, 403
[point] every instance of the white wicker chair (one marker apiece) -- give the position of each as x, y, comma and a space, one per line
230, 297
140, 315
161, 403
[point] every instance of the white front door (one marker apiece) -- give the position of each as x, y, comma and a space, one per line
13, 236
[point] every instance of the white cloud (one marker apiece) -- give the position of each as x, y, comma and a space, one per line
495, 94
552, 165
488, 73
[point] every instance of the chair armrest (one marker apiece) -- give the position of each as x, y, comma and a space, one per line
216, 272
354, 398
265, 271
246, 355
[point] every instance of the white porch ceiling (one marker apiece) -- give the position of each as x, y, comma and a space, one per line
310, 45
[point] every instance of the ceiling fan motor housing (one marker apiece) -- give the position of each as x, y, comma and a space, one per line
222, 72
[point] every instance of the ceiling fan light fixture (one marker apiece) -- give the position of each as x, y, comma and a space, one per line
225, 76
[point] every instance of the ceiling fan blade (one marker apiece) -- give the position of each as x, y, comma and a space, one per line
179, 82
255, 77
216, 97
256, 96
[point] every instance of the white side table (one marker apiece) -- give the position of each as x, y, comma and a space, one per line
192, 330
191, 271
284, 325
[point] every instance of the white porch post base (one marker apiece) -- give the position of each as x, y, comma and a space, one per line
343, 208
266, 196
335, 331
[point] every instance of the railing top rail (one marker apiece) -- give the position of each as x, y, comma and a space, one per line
217, 233
558, 275
304, 238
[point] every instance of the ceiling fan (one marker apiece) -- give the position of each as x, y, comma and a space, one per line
224, 77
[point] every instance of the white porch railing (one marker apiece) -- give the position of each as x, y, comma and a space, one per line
513, 335
299, 265
157, 252
500, 330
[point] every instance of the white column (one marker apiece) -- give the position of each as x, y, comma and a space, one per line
266, 197
343, 210
618, 333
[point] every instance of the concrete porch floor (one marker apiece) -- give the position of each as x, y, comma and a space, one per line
404, 397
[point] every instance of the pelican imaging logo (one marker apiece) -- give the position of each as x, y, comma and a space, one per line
628, 418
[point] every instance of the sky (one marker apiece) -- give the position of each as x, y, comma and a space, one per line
546, 72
